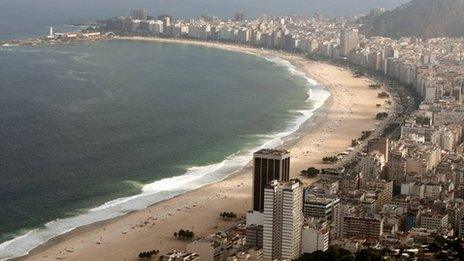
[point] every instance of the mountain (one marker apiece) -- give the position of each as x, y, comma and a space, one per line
421, 18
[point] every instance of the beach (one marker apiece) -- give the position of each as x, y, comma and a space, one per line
350, 110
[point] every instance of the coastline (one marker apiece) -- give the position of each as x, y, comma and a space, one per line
228, 195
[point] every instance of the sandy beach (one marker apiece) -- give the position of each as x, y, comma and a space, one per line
350, 110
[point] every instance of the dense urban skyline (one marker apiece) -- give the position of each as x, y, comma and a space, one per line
55, 12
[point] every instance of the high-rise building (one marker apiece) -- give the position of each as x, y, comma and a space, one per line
372, 165
349, 40
140, 14
239, 17
167, 19
396, 168
380, 145
283, 220
269, 165
51, 35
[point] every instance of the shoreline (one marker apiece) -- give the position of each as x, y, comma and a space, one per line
308, 128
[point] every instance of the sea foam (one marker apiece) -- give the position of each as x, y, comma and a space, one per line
195, 177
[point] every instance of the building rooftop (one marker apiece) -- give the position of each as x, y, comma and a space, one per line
273, 152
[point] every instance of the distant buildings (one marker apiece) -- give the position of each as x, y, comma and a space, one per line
239, 17
283, 220
140, 14
349, 40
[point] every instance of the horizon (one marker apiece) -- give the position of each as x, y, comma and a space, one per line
67, 11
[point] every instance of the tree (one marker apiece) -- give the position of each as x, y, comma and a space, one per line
181, 233
333, 253
312, 172
227, 215
383, 95
381, 115
148, 254
331, 159
369, 255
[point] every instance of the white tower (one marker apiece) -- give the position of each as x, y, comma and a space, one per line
283, 219
51, 32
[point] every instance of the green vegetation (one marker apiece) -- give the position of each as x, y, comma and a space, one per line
333, 253
227, 215
360, 72
383, 95
365, 135
331, 159
420, 18
381, 115
447, 249
184, 234
390, 129
337, 253
148, 254
310, 172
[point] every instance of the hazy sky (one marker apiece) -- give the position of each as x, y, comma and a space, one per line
59, 11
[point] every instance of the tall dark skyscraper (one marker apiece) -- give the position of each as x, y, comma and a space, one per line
269, 165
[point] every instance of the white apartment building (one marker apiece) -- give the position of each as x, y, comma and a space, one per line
372, 165
314, 239
432, 220
283, 219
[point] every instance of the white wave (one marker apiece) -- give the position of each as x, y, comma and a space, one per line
195, 177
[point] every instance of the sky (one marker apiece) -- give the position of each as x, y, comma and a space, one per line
62, 11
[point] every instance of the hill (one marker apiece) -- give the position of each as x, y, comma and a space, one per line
421, 18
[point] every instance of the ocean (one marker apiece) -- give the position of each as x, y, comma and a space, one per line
91, 131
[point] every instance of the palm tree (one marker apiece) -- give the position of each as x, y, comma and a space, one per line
181, 233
